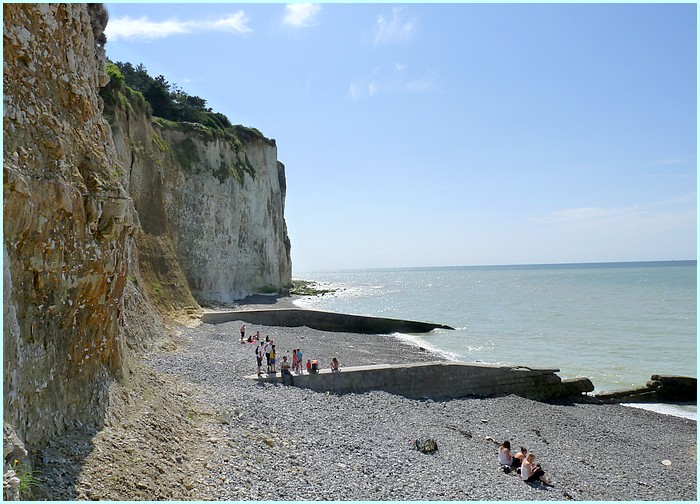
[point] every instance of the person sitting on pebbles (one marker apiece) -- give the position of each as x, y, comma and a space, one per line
286, 374
530, 471
505, 458
519, 457
314, 366
335, 365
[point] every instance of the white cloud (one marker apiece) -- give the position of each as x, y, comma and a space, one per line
300, 15
126, 28
394, 30
399, 80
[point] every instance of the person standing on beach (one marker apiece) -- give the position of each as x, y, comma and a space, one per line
273, 364
242, 333
267, 349
295, 360
259, 352
300, 361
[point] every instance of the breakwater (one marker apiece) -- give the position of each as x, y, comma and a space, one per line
323, 321
441, 380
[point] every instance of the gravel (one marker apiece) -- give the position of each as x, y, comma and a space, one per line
266, 441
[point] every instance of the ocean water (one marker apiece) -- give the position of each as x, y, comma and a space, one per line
615, 323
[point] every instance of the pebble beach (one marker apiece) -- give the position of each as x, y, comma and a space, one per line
275, 442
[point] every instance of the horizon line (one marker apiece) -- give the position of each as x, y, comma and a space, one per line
516, 265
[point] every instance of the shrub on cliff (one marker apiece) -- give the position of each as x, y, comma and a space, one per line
116, 91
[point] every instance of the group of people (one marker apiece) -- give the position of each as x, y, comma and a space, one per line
252, 338
523, 462
266, 349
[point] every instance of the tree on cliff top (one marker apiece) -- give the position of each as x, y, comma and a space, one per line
168, 100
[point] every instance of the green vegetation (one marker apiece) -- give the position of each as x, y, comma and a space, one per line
168, 101
267, 289
132, 90
118, 92
160, 143
307, 288
28, 482
185, 153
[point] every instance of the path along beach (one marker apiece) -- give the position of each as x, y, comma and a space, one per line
204, 432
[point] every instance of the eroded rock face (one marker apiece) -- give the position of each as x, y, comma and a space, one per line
67, 222
103, 221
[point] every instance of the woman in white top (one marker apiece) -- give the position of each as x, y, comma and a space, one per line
504, 456
530, 471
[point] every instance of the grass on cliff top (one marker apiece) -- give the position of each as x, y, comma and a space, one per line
237, 133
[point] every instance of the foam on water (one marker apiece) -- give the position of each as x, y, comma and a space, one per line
685, 411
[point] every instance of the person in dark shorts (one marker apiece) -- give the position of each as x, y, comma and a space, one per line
259, 352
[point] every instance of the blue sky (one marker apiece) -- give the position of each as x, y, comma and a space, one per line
452, 134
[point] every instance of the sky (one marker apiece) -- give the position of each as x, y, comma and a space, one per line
418, 135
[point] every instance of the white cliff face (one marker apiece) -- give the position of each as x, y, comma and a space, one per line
217, 199
228, 228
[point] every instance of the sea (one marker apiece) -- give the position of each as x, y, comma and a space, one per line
615, 323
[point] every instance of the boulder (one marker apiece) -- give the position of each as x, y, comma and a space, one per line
676, 388
426, 445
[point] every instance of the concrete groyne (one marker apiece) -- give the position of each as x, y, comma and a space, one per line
323, 321
443, 380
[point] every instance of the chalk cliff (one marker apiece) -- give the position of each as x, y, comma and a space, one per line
216, 197
106, 217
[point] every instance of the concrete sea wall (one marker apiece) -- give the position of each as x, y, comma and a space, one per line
443, 380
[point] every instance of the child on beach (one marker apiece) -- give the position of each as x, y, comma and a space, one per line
335, 365
295, 360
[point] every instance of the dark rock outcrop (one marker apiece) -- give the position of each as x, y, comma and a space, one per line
661, 388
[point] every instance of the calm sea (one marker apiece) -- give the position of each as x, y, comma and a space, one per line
615, 323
